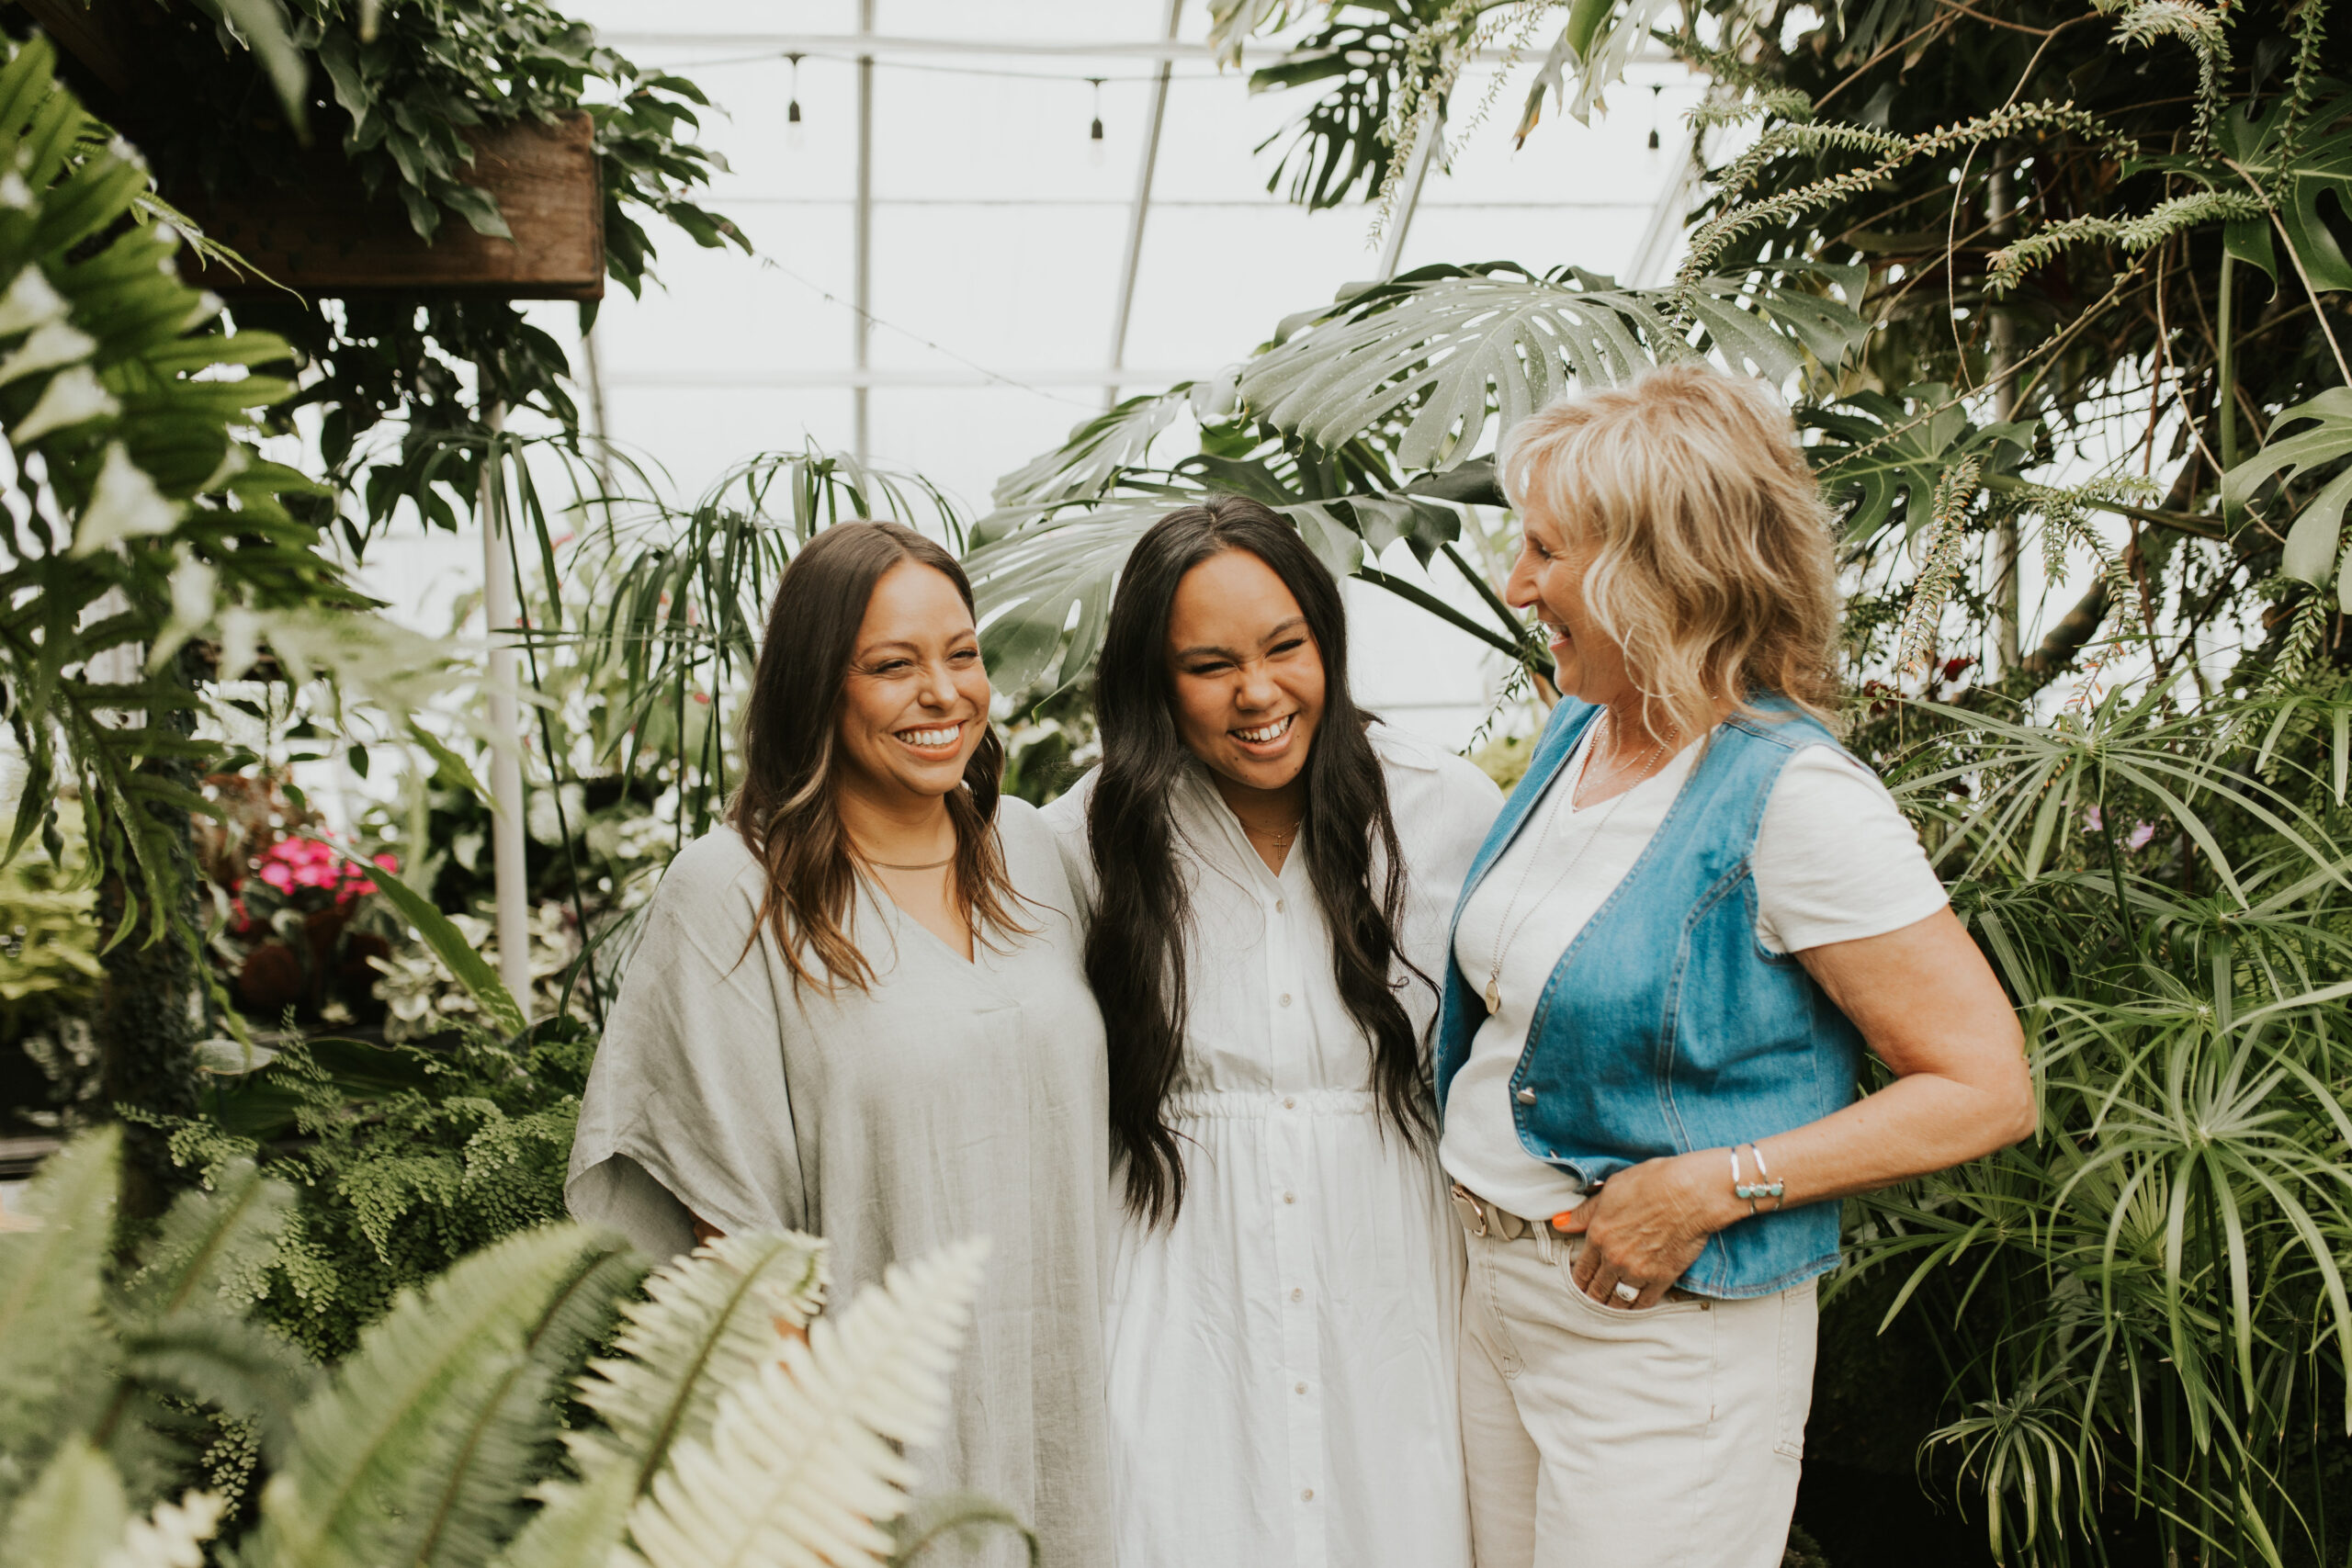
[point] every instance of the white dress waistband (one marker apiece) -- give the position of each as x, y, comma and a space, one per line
1235, 1104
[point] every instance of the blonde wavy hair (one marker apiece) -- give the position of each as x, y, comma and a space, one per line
1714, 567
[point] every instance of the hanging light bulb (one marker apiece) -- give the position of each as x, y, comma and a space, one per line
795, 137
1655, 88
1094, 148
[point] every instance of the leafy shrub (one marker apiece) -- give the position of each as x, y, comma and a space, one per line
403, 1161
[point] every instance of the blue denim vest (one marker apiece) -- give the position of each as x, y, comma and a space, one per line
1666, 1026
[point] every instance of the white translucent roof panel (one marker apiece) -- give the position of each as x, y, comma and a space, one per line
997, 235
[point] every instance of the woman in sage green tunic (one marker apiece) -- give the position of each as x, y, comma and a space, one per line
918, 1058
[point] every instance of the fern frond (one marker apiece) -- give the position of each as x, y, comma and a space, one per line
1779, 103
579, 1523
172, 1536
237, 1364
1711, 239
417, 1450
800, 1469
2301, 641
705, 1322
51, 1334
2142, 232
1941, 567
211, 1242
2205, 28
69, 1517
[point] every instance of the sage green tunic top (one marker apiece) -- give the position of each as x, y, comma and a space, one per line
951, 1100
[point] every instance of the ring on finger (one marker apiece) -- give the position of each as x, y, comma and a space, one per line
1627, 1291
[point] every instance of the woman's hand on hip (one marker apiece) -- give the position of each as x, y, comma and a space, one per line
1647, 1224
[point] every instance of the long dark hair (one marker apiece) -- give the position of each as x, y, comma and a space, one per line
785, 809
1135, 950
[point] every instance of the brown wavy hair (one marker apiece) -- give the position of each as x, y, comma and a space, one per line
786, 807
1714, 569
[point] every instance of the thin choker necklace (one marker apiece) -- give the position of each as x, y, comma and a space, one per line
894, 866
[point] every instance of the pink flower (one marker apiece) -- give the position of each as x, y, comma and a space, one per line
389, 861
2094, 821
2139, 835
277, 876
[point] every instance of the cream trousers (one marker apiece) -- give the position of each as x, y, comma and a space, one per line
1602, 1438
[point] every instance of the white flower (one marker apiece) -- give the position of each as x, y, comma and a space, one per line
192, 588
71, 397
15, 192
124, 503
208, 305
52, 343
30, 302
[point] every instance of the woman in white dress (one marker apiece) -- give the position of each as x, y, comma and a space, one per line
1271, 872
858, 1010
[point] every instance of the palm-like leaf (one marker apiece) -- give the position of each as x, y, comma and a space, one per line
800, 1467
2310, 548
1444, 348
419, 1449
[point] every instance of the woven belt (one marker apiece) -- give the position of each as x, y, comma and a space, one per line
1481, 1218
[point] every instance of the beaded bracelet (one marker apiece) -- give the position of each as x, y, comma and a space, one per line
1763, 1187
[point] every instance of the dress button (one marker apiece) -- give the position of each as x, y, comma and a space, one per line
1308, 1495
1289, 1104
1296, 1295
1302, 1387
1290, 1197
1280, 904
1525, 1097
1286, 998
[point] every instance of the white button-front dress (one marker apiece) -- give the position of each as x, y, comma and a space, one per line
1281, 1360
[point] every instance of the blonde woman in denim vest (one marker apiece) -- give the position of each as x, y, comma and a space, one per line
1693, 916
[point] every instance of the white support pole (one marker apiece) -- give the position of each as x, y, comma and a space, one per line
862, 326
508, 879
1392, 244
602, 453
1145, 167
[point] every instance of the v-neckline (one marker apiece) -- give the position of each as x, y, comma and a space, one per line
900, 915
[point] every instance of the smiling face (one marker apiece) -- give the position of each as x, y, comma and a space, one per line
1244, 671
915, 704
1549, 578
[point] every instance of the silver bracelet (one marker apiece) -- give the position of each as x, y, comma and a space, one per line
1763, 1187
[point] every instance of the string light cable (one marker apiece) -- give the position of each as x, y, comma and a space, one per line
996, 377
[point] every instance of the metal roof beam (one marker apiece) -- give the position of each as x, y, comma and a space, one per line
1145, 166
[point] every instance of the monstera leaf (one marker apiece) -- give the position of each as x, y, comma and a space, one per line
1883, 452
2310, 553
2321, 168
1044, 589
1442, 347
1096, 452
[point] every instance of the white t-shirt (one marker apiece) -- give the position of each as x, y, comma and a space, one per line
1833, 861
